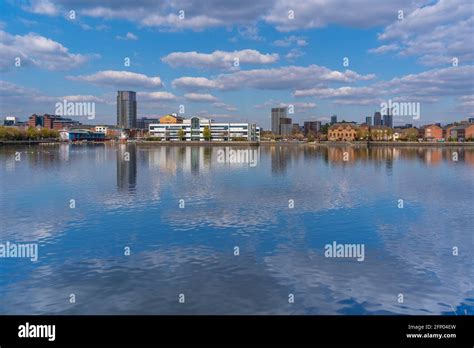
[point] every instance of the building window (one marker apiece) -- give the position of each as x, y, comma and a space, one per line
195, 123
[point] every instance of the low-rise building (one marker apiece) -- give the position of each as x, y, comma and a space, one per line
9, 121
194, 129
397, 134
101, 129
171, 119
144, 122
342, 132
433, 132
81, 134
51, 122
462, 132
379, 133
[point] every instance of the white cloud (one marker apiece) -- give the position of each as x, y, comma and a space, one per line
250, 32
343, 95
217, 117
116, 78
290, 77
384, 49
73, 98
428, 86
218, 59
38, 51
467, 100
173, 21
195, 83
245, 13
318, 14
294, 54
299, 106
128, 36
200, 97
44, 7
24, 100
155, 96
466, 104
291, 40
333, 92
224, 106
441, 82
435, 33
8, 89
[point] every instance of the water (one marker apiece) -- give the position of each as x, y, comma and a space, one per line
190, 250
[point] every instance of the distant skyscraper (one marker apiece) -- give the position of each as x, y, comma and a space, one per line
285, 126
295, 128
333, 119
277, 113
388, 121
281, 124
377, 119
368, 120
126, 109
471, 119
312, 126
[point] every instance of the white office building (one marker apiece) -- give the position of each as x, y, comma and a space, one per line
193, 130
101, 129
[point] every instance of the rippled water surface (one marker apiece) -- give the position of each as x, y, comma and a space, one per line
190, 250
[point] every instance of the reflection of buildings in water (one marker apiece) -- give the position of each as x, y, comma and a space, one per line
169, 159
469, 157
380, 156
459, 154
64, 152
162, 157
195, 160
238, 156
127, 167
433, 156
100, 153
341, 154
279, 159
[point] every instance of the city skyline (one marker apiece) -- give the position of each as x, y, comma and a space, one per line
224, 64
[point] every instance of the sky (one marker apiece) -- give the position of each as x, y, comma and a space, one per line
235, 60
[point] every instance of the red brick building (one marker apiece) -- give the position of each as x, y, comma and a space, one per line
433, 132
51, 122
462, 132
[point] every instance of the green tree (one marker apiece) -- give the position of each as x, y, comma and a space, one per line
206, 133
181, 134
44, 133
310, 137
31, 133
411, 134
324, 128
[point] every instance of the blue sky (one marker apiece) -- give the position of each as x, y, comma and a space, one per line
282, 60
